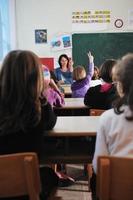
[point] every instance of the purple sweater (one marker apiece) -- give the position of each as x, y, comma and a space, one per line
54, 97
79, 88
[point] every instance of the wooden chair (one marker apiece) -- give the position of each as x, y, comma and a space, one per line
19, 175
93, 112
115, 178
96, 112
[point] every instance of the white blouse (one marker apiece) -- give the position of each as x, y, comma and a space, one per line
114, 135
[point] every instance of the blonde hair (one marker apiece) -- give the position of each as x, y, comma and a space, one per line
79, 73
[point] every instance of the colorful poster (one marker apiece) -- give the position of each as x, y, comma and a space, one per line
56, 43
66, 41
40, 36
61, 42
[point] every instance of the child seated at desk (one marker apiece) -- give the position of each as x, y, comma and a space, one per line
114, 136
51, 90
101, 96
95, 78
82, 80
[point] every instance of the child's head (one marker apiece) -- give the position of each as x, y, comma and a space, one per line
20, 91
96, 73
106, 70
123, 73
46, 75
79, 73
21, 74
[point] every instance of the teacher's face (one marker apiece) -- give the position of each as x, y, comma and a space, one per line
64, 62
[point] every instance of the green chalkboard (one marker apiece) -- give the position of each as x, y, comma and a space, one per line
102, 45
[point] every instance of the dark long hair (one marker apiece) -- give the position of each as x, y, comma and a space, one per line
124, 75
20, 83
63, 56
106, 70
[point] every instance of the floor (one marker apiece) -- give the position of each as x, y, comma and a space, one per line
79, 190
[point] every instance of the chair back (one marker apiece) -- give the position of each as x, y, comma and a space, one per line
115, 178
96, 112
92, 112
19, 175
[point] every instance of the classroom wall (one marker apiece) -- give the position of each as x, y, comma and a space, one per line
56, 17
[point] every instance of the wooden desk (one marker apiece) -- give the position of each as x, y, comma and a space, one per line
67, 90
74, 103
72, 107
75, 126
74, 132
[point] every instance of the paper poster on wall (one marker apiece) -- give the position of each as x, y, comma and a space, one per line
40, 36
66, 41
130, 18
90, 20
61, 42
56, 43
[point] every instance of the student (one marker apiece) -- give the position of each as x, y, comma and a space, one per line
51, 90
52, 75
96, 73
64, 72
115, 133
102, 95
24, 113
95, 78
81, 79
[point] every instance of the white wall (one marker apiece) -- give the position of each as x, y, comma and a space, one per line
55, 16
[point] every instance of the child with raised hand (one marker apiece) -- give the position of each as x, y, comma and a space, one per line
101, 96
51, 90
82, 79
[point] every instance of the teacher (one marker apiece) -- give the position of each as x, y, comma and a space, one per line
64, 72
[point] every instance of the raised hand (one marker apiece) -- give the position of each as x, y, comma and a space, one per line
71, 65
90, 56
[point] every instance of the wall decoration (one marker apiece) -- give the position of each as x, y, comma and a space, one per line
40, 36
61, 42
118, 23
56, 43
90, 20
66, 41
102, 16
